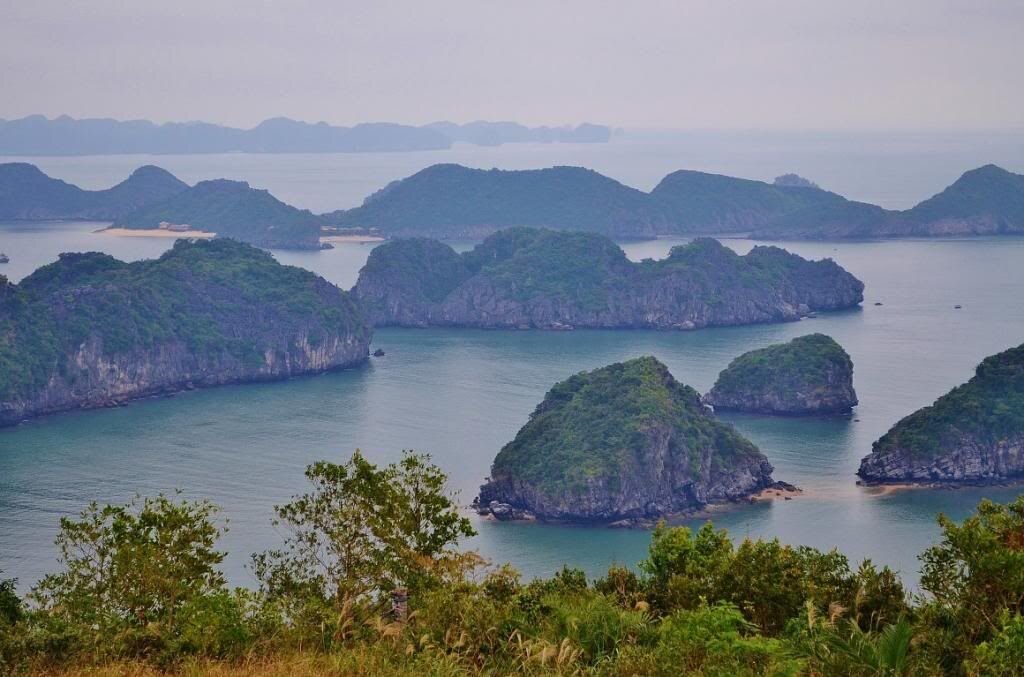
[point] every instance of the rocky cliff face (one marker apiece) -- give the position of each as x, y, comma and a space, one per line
972, 434
808, 375
626, 442
967, 460
549, 280
90, 331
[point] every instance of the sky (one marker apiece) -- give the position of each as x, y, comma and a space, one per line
640, 64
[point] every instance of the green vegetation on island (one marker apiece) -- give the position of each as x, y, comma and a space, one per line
698, 202
809, 375
535, 278
623, 442
370, 580
454, 201
232, 209
90, 330
26, 193
974, 433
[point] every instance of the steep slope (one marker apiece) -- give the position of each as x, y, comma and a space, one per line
89, 330
973, 434
626, 441
985, 201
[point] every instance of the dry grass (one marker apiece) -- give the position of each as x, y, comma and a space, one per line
341, 664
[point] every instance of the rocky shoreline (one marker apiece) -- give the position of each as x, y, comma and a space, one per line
506, 512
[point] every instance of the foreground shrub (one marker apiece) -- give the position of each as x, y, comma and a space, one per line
361, 533
128, 572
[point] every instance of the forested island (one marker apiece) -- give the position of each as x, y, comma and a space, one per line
624, 442
453, 201
153, 199
92, 331
974, 434
232, 209
26, 193
809, 375
534, 278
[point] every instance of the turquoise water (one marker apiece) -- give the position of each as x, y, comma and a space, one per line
460, 395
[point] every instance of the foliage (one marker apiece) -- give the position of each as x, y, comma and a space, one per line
363, 531
140, 593
989, 407
844, 648
709, 640
1003, 655
975, 576
134, 572
769, 582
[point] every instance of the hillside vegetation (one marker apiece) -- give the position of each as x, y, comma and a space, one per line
232, 209
369, 579
536, 278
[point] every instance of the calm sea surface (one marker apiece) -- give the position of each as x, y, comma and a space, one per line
461, 395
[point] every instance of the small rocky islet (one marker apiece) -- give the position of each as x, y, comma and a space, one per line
810, 375
622, 444
974, 434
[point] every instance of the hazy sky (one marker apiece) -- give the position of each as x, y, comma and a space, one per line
765, 64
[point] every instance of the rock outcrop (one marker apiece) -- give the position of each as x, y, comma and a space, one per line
624, 442
809, 375
974, 434
91, 331
530, 278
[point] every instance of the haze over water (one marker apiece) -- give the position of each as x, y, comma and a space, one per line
893, 169
462, 394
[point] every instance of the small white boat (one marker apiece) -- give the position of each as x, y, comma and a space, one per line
4, 258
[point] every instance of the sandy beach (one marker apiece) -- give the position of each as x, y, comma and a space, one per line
361, 239
158, 232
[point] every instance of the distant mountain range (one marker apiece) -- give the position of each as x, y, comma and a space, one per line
456, 201
452, 201
38, 135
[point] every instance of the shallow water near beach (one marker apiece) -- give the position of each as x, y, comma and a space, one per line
461, 394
